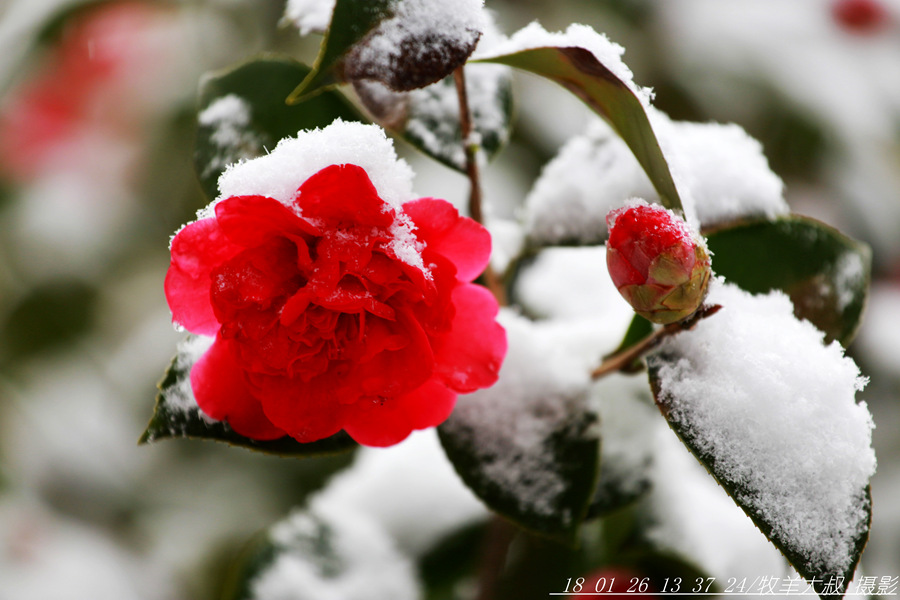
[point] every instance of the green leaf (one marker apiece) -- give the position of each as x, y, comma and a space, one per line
693, 431
579, 71
544, 486
826, 273
249, 114
350, 22
428, 118
177, 416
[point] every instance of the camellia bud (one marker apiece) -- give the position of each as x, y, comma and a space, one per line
656, 263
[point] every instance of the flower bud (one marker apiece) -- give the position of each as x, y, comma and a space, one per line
656, 263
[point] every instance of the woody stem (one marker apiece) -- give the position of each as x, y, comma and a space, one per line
471, 147
622, 360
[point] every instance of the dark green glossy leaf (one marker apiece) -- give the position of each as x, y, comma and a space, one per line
745, 495
428, 118
545, 486
825, 273
579, 71
350, 22
177, 416
249, 114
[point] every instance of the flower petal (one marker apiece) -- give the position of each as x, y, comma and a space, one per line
196, 251
465, 242
376, 423
469, 356
307, 410
251, 220
343, 194
222, 393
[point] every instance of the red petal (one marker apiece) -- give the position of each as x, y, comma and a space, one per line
222, 393
620, 270
306, 410
345, 194
386, 423
469, 356
391, 371
196, 251
251, 220
462, 240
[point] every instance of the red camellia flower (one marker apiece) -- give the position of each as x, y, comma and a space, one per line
656, 263
335, 311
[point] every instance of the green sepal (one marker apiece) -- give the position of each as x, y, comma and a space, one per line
177, 415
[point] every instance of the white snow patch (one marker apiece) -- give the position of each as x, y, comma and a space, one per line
756, 388
228, 115
576, 35
724, 169
180, 398
332, 554
310, 15
411, 490
570, 283
592, 174
294, 160
720, 171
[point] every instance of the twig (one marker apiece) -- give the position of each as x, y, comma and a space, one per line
620, 361
494, 551
471, 146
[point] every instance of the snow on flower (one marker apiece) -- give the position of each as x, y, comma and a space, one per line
334, 304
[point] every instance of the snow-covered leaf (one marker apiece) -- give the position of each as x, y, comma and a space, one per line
404, 44
324, 553
429, 118
588, 65
825, 273
529, 446
242, 114
177, 415
770, 411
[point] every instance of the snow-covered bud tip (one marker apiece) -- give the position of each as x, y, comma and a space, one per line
658, 265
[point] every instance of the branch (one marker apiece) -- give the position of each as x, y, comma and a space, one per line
471, 147
621, 361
